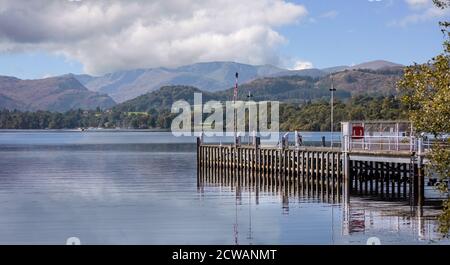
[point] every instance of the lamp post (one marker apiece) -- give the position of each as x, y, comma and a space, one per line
332, 90
235, 94
249, 97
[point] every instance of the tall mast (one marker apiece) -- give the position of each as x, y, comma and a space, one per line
234, 101
332, 89
236, 232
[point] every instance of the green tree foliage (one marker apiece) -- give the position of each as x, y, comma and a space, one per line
311, 116
426, 92
83, 119
315, 116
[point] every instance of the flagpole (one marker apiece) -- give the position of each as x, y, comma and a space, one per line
234, 103
235, 142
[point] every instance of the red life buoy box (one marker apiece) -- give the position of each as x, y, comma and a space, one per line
357, 132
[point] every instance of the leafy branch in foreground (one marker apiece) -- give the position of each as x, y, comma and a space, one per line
426, 92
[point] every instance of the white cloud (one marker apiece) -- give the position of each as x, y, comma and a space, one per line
47, 75
106, 36
418, 3
422, 11
430, 13
301, 65
330, 14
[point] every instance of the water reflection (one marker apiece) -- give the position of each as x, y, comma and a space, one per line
393, 221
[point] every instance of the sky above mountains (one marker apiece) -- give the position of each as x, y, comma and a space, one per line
53, 37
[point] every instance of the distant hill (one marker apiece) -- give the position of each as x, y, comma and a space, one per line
55, 94
302, 88
375, 65
293, 89
335, 69
163, 99
365, 81
371, 65
290, 89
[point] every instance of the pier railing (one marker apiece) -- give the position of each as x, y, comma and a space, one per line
387, 143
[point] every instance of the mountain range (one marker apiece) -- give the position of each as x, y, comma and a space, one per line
125, 85
71, 91
212, 76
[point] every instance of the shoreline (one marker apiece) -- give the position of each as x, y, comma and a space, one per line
87, 130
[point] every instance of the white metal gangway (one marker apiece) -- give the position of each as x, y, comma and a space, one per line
388, 136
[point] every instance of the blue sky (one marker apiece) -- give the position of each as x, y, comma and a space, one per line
359, 31
100, 37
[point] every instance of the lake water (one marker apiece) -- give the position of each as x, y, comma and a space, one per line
141, 188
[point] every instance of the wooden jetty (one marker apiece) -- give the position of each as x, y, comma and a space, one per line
387, 172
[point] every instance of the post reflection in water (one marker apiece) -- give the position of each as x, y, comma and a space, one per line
350, 223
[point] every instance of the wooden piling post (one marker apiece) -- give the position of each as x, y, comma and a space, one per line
333, 173
419, 185
317, 175
308, 173
339, 175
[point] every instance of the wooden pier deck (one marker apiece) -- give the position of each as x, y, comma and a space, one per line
325, 172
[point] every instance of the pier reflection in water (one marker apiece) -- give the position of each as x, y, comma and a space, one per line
393, 221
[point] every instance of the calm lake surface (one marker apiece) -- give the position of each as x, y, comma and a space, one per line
141, 188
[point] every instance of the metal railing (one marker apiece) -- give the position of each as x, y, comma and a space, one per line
386, 143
